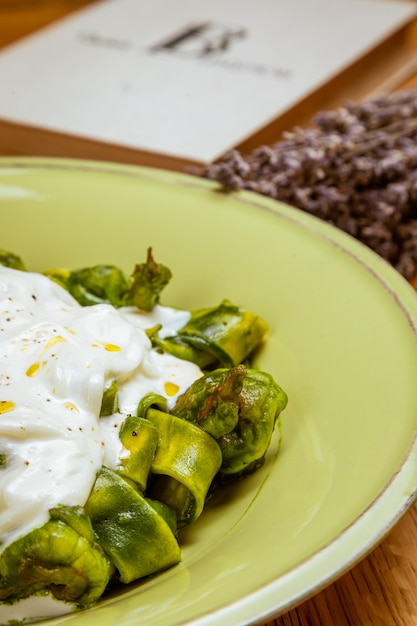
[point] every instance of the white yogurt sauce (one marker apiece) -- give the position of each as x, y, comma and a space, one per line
56, 358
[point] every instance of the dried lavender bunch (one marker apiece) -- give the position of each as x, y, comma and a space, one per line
356, 167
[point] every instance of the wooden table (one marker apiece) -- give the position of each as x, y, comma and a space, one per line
381, 590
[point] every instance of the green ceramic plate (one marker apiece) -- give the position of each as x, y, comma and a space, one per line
342, 344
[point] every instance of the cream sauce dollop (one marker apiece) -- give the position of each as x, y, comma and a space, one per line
56, 359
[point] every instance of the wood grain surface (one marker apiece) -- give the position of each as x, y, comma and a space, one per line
381, 590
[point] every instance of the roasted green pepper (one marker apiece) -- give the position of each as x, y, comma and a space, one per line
133, 533
109, 401
239, 407
61, 557
185, 463
140, 439
221, 336
9, 259
149, 279
109, 284
97, 285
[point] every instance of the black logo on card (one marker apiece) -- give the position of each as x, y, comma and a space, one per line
202, 40
203, 43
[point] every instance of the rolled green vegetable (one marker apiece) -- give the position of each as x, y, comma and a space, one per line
58, 558
9, 259
97, 285
166, 512
221, 336
136, 537
109, 401
240, 408
149, 279
151, 400
185, 464
75, 517
140, 439
109, 284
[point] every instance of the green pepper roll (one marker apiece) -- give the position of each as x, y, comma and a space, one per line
133, 533
240, 408
148, 281
185, 464
108, 283
56, 558
9, 259
109, 401
140, 439
98, 284
221, 336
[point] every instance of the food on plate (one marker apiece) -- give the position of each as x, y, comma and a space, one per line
118, 419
